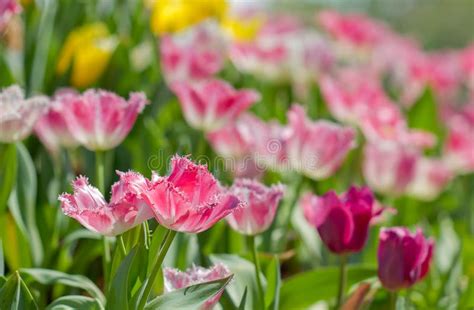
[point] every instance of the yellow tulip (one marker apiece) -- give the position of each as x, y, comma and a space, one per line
171, 16
242, 30
88, 50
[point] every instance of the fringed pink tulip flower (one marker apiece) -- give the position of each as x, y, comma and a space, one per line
100, 120
18, 115
175, 280
342, 222
124, 211
8, 8
403, 258
212, 104
260, 209
430, 179
389, 168
52, 127
190, 199
317, 149
194, 55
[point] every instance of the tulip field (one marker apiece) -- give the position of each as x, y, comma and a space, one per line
213, 154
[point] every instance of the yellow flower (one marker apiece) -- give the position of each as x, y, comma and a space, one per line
242, 30
171, 16
88, 49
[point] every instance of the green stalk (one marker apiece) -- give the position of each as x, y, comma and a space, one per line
100, 180
253, 248
122, 245
342, 280
393, 300
156, 268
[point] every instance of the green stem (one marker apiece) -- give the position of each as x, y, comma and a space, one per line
156, 268
122, 245
342, 281
393, 300
100, 181
146, 234
253, 248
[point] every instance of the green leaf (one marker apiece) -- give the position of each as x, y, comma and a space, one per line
424, 114
244, 272
22, 202
2, 262
14, 294
49, 277
243, 300
75, 302
8, 167
192, 297
125, 279
294, 291
272, 295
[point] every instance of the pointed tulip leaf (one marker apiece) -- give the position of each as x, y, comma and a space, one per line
75, 302
15, 295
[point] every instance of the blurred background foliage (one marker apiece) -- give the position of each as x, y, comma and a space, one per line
435, 23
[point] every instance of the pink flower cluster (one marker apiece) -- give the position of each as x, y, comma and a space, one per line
189, 200
8, 8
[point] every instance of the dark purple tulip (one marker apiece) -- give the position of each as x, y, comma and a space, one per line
404, 258
342, 222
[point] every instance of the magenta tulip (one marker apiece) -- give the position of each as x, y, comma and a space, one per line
342, 222
404, 258
8, 8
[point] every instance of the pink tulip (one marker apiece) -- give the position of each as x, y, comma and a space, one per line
316, 149
8, 8
189, 199
430, 178
389, 168
124, 211
210, 105
459, 147
261, 205
235, 144
194, 55
175, 280
52, 127
100, 120
355, 29
404, 258
342, 222
18, 115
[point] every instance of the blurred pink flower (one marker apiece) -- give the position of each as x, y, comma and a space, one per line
349, 98
100, 120
389, 168
193, 55
355, 29
342, 222
316, 149
8, 8
212, 104
430, 178
124, 211
190, 199
52, 127
459, 145
235, 143
403, 258
18, 115
260, 209
175, 280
